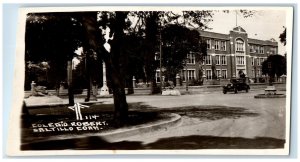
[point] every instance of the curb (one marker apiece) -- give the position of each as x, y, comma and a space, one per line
119, 134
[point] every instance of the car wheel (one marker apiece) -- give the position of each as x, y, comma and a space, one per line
247, 89
224, 91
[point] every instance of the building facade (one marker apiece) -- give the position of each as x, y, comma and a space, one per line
227, 55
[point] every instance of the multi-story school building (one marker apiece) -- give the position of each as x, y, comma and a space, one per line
229, 54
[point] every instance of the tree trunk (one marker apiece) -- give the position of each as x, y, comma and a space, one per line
70, 84
120, 103
150, 44
114, 59
117, 66
87, 70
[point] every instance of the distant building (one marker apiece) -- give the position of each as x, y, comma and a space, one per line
229, 54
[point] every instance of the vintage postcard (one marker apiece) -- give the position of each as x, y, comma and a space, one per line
152, 80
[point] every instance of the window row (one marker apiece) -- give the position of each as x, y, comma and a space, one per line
220, 60
190, 74
259, 61
218, 45
256, 49
239, 45
258, 73
240, 60
220, 73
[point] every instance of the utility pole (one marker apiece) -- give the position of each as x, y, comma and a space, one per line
186, 76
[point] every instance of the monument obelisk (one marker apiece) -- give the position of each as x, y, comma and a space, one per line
104, 89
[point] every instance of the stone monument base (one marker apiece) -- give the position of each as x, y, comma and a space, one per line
104, 91
270, 92
171, 92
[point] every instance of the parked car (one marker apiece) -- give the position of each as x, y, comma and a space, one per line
236, 85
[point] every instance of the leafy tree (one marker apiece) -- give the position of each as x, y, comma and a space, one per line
274, 65
115, 59
151, 23
282, 37
53, 37
178, 42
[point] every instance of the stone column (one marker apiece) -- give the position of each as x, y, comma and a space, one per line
177, 80
104, 89
133, 82
33, 92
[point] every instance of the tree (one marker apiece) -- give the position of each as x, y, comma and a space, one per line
115, 59
178, 42
53, 37
282, 36
151, 23
274, 65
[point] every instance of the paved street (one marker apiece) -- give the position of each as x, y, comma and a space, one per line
209, 120
269, 120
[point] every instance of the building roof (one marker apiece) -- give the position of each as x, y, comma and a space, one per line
208, 34
213, 35
270, 42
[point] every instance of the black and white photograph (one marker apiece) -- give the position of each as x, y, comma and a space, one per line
152, 80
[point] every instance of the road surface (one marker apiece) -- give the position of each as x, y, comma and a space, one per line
240, 116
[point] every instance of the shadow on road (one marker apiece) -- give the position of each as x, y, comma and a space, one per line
178, 143
207, 112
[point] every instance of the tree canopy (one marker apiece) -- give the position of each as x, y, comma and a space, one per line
282, 37
274, 65
179, 41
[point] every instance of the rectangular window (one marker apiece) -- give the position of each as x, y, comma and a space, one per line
224, 74
253, 73
273, 50
240, 60
208, 42
261, 60
191, 58
218, 73
258, 73
252, 61
208, 74
218, 59
261, 49
208, 60
223, 45
190, 74
239, 46
256, 49
252, 50
223, 60
217, 45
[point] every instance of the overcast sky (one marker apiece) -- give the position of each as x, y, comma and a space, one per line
262, 25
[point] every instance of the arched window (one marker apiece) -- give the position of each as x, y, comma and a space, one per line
239, 45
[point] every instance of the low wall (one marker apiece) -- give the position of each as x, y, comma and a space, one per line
182, 89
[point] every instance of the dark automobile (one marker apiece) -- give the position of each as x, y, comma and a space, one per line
236, 85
